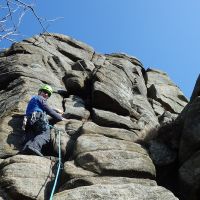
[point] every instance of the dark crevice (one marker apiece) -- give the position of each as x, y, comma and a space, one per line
151, 93
112, 105
5, 81
74, 45
128, 174
69, 55
71, 43
80, 182
167, 177
13, 52
4, 85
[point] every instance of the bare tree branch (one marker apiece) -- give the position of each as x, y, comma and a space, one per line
34, 13
12, 13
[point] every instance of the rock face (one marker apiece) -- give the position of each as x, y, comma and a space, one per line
26, 177
163, 90
114, 108
189, 156
124, 191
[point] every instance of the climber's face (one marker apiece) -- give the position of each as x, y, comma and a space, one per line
44, 94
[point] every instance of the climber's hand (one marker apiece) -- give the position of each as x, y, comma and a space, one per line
58, 111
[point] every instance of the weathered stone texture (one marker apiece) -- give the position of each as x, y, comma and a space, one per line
26, 177
113, 192
163, 90
114, 108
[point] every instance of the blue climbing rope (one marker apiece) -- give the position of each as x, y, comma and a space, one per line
59, 163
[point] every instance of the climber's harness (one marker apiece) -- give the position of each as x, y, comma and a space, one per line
38, 119
36, 116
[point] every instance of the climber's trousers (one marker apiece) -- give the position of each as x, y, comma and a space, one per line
37, 135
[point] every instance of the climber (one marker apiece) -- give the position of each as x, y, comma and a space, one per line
37, 128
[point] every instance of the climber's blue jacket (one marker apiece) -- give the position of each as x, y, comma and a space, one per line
39, 104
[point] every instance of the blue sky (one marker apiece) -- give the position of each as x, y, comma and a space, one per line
162, 34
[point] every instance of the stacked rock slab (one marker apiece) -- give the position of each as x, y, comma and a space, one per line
106, 99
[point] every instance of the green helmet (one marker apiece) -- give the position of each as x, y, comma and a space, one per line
47, 88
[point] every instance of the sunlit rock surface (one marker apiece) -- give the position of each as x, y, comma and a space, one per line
115, 110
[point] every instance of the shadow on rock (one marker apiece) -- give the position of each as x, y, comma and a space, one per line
16, 137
